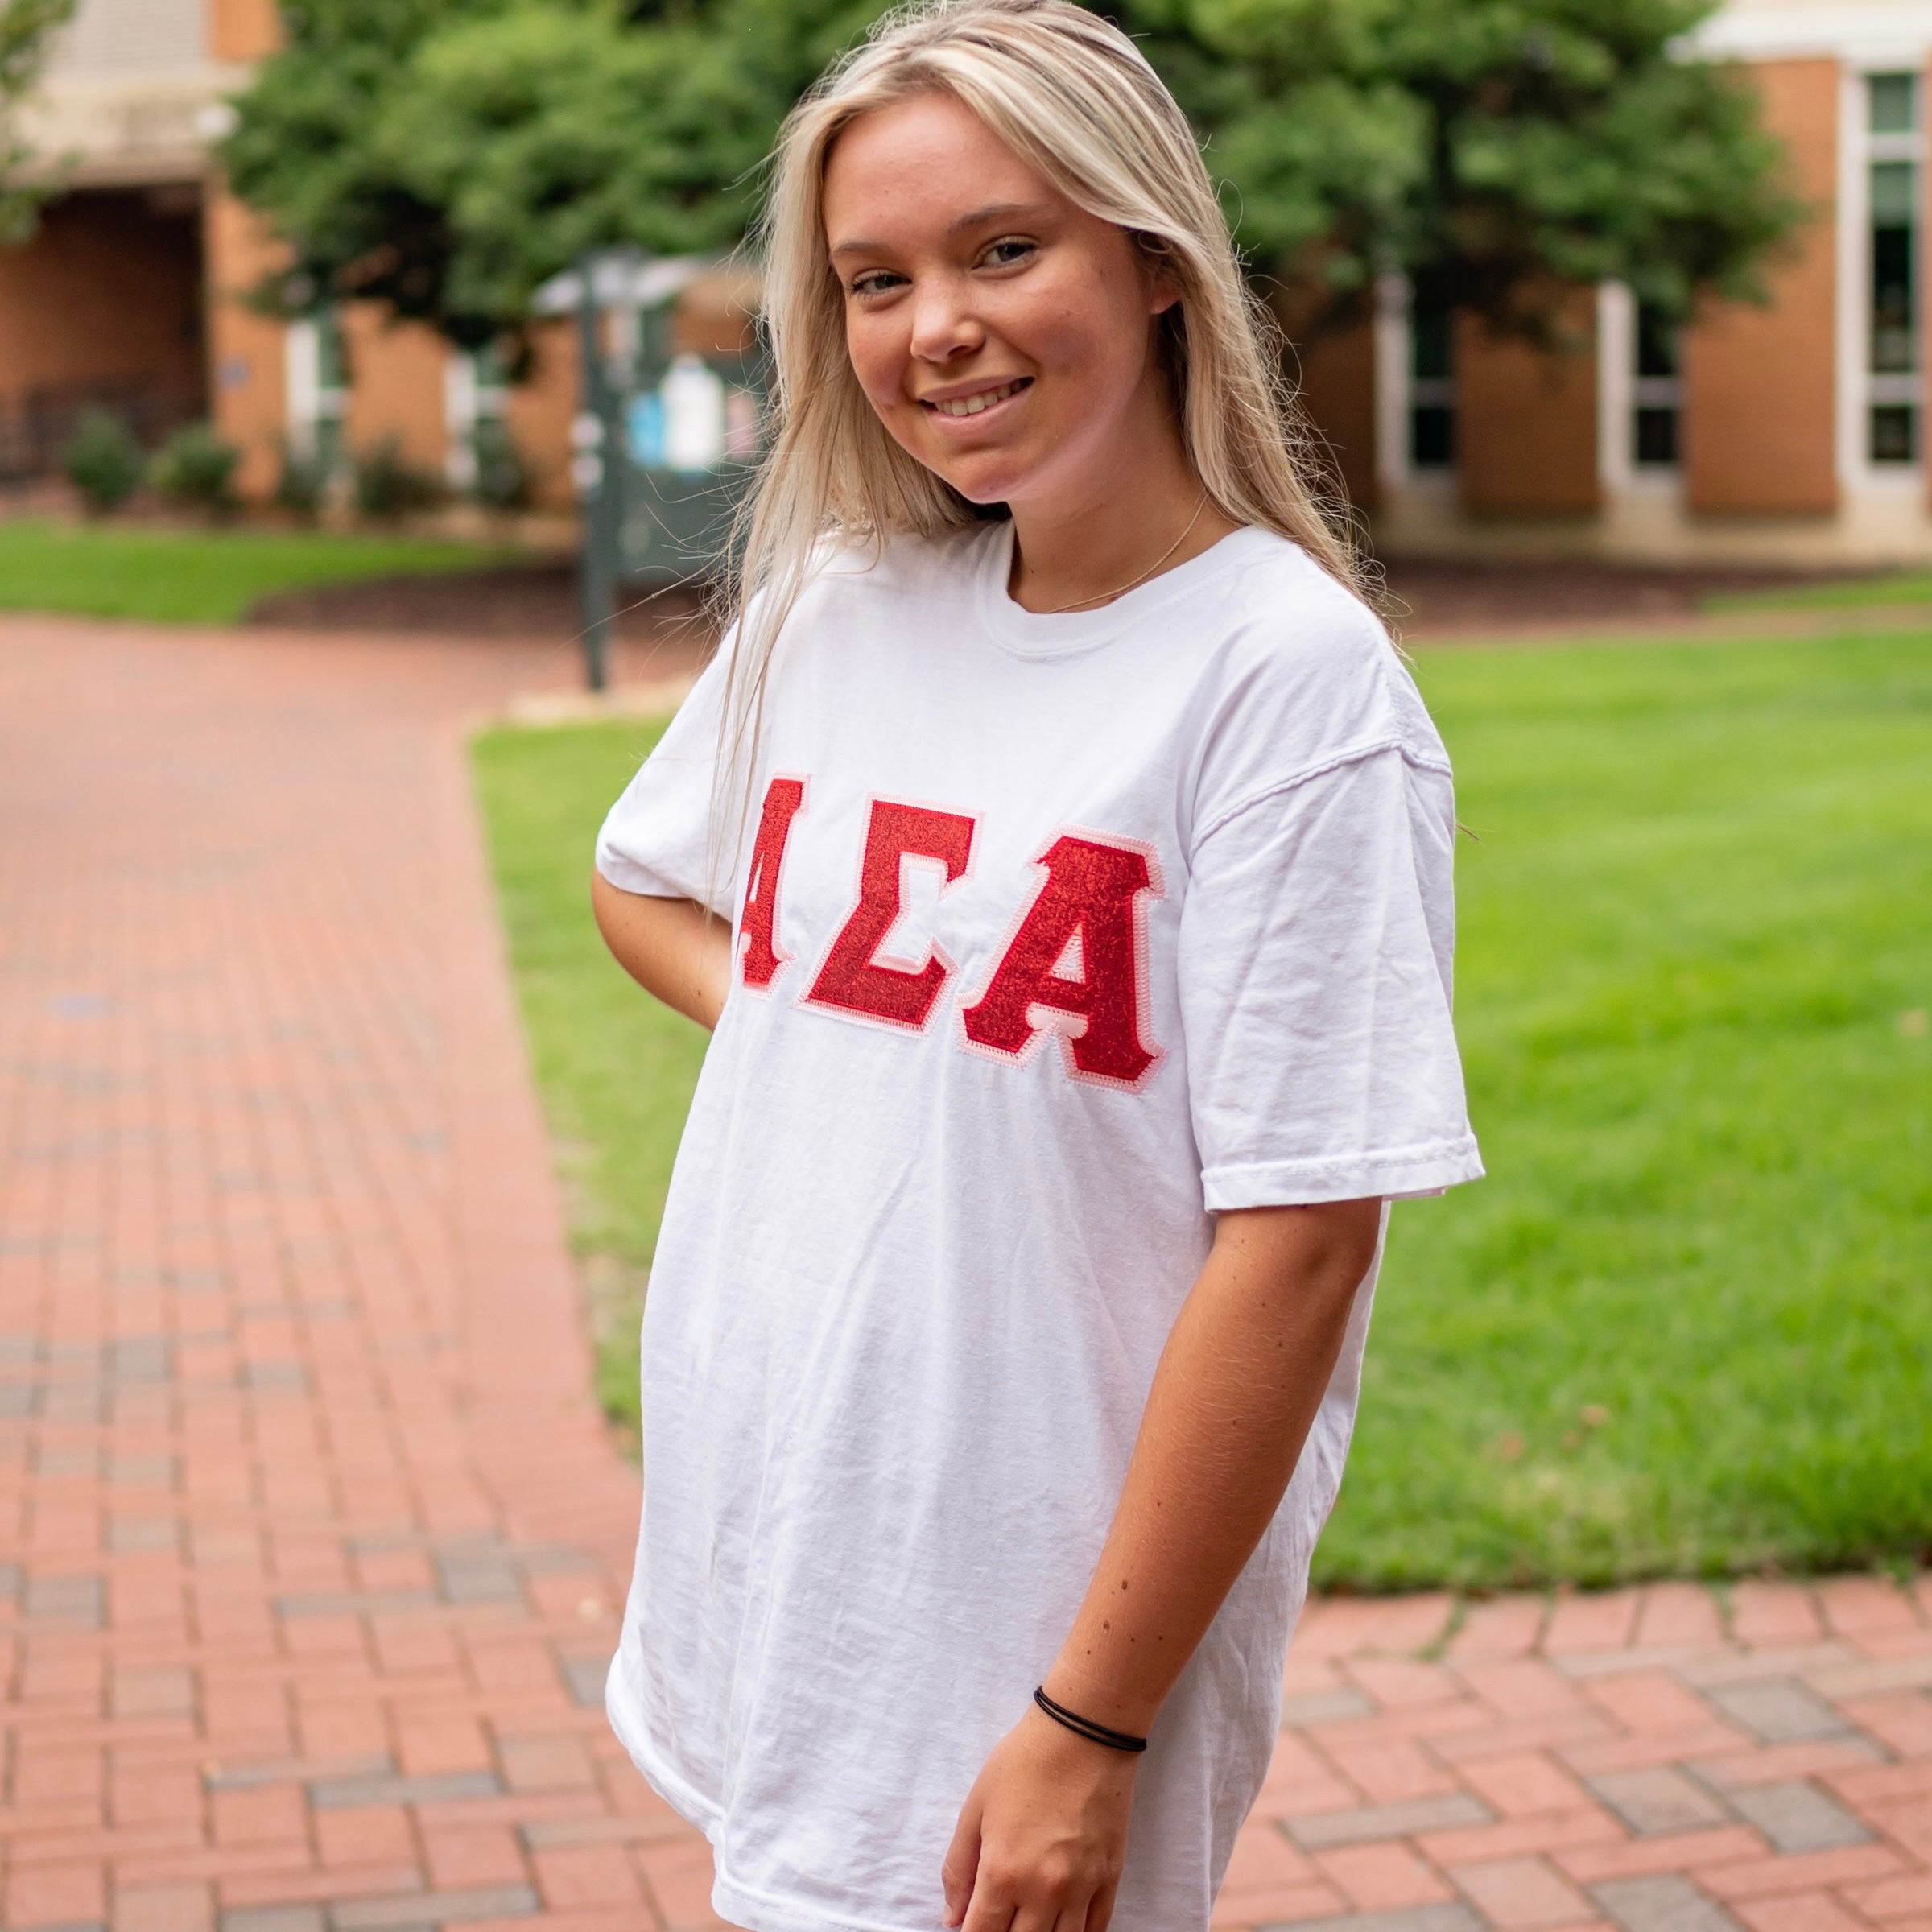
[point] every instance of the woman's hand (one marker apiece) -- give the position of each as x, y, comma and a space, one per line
1042, 1834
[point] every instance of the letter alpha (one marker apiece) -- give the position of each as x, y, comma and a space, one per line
850, 978
1091, 893
758, 956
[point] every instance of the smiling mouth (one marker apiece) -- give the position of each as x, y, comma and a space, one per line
972, 405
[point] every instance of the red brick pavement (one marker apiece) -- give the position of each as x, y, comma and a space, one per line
311, 1540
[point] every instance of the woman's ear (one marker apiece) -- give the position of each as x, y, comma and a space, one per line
1156, 275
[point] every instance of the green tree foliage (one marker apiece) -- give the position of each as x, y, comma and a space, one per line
446, 156
1489, 148
25, 28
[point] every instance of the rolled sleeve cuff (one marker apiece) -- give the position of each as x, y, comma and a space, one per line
627, 875
1393, 1174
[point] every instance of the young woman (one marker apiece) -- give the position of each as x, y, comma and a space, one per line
1061, 855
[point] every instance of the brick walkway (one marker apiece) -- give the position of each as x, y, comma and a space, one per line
320, 1541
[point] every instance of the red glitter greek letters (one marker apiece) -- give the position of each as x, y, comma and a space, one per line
758, 956
1091, 895
851, 977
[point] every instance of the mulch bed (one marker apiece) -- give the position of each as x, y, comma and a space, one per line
540, 598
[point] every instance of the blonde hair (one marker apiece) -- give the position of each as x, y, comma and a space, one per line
1074, 97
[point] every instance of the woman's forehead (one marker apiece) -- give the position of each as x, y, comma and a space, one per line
930, 155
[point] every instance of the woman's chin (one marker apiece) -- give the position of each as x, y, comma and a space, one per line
991, 479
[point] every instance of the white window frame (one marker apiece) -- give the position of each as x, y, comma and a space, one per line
309, 403
1859, 388
468, 401
1396, 392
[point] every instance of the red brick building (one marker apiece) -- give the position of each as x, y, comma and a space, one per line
1793, 432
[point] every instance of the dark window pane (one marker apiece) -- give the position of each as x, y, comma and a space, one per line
1431, 436
1894, 331
1656, 436
1655, 342
1893, 101
1894, 433
1431, 348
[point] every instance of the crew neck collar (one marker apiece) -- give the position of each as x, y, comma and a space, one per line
1043, 634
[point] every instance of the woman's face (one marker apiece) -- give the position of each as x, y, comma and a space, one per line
1003, 334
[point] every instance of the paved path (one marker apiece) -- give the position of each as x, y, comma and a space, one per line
313, 1541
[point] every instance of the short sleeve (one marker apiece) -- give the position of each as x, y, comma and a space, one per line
657, 839
1315, 980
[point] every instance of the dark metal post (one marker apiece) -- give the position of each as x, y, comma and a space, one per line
597, 465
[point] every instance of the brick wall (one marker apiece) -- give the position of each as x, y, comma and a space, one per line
106, 288
1760, 402
395, 386
539, 410
1333, 369
246, 354
1526, 416
243, 30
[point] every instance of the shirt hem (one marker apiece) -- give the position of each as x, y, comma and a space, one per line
752, 1910
759, 1912
1397, 1174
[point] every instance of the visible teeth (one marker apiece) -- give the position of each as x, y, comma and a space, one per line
971, 405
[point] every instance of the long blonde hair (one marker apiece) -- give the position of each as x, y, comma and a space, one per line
1074, 97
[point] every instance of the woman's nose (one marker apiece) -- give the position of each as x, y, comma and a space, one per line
944, 324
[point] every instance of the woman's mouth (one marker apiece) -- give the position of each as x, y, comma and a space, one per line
980, 400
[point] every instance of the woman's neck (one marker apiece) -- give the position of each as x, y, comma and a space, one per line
1139, 516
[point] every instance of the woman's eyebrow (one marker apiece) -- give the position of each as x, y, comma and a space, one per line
978, 217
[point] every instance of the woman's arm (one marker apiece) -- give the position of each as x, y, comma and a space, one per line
1043, 1834
671, 947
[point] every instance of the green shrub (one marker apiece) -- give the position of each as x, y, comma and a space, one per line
302, 482
387, 485
196, 467
502, 478
103, 461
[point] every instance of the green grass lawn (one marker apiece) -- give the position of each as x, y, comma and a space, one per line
198, 576
616, 1069
1686, 1326
1892, 588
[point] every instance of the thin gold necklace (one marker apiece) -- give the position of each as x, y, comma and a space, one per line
1134, 583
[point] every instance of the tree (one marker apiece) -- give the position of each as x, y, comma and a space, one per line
26, 26
1492, 150
446, 156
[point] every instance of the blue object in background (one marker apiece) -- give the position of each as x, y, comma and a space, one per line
644, 429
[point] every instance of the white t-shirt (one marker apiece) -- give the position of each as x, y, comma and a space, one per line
1056, 934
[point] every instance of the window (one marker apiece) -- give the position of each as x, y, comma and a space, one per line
317, 371
1656, 389
1893, 347
475, 400
331, 392
1432, 384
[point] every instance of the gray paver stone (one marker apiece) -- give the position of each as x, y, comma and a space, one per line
1368, 1822
1654, 1801
416, 1909
586, 1677
1798, 1817
273, 1918
1325, 1707
1778, 1710
1666, 1903
1448, 1918
339, 1793
478, 1579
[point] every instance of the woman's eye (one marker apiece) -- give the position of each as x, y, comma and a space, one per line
876, 282
1003, 254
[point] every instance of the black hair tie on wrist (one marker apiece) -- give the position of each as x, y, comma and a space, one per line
1085, 1726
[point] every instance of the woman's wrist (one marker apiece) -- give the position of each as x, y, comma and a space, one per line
1091, 1696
